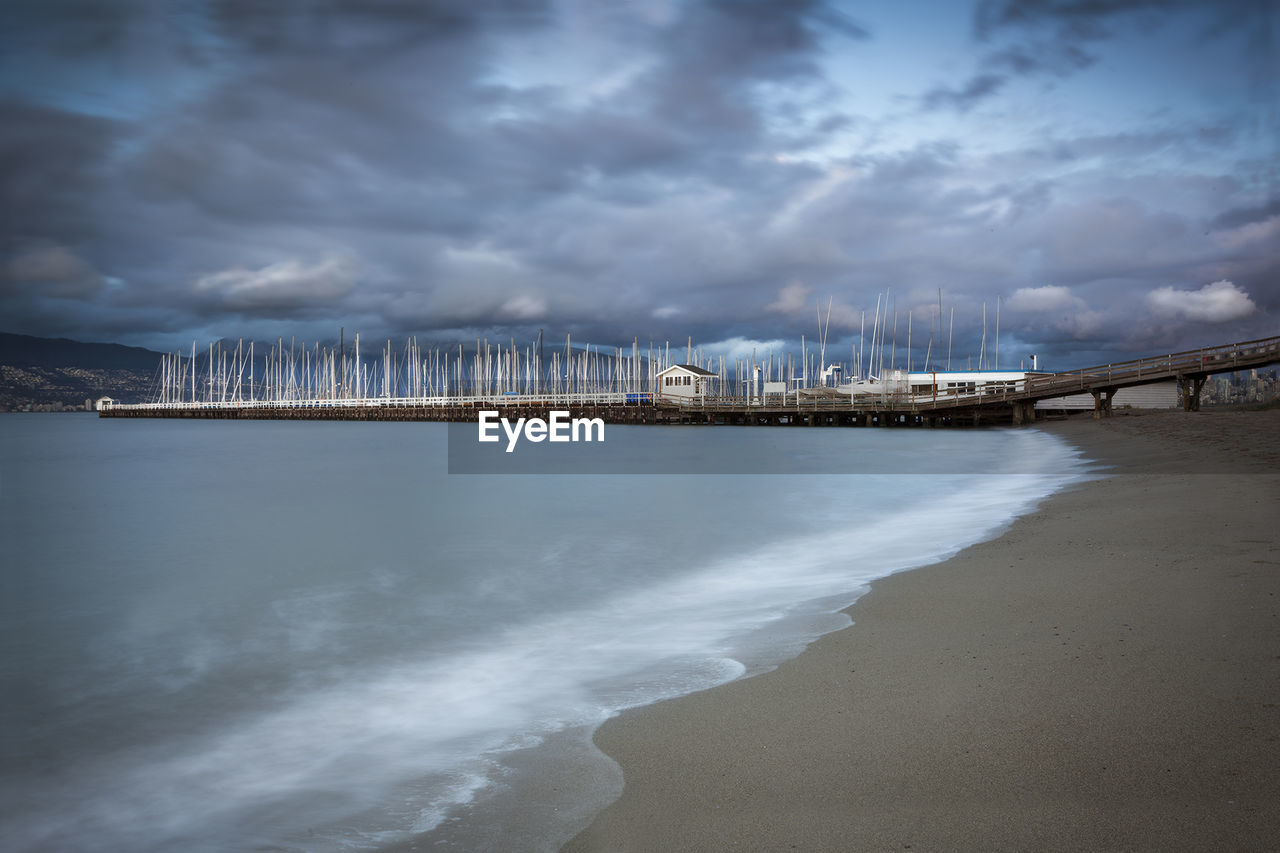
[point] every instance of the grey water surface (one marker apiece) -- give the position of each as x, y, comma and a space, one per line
224, 635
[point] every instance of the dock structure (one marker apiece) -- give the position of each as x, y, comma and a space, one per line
640, 399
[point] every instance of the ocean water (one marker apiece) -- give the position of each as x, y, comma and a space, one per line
310, 636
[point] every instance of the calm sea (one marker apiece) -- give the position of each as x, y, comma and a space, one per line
310, 636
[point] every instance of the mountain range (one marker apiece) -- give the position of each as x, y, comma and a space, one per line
57, 374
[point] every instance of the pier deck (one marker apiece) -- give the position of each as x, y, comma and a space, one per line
805, 408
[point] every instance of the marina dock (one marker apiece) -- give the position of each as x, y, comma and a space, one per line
643, 401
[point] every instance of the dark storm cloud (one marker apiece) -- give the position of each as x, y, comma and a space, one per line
1242, 216
1074, 19
49, 161
976, 90
49, 271
1058, 38
410, 142
715, 54
376, 118
348, 127
998, 222
367, 29
697, 112
69, 28
457, 169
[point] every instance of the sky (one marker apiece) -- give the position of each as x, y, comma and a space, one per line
1100, 173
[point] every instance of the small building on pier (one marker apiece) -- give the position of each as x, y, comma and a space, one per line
684, 382
967, 381
899, 384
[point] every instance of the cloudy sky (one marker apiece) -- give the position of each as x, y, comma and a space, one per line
652, 169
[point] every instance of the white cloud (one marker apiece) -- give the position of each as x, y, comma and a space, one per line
1068, 314
791, 300
1218, 302
738, 347
1251, 235
1051, 297
280, 285
523, 307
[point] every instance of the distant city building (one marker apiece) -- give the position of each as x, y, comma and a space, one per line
1245, 387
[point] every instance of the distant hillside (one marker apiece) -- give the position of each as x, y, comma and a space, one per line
28, 351
54, 374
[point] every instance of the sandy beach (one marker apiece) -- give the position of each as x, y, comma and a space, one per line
1103, 676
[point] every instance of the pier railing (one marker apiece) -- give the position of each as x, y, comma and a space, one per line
475, 401
1196, 363
1190, 363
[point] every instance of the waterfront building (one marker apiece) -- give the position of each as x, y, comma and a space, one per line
684, 381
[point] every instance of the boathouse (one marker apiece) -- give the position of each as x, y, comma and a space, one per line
684, 381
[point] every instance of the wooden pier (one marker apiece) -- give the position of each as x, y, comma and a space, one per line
394, 410
805, 407
724, 411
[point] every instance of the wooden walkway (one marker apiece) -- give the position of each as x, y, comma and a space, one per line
1008, 405
819, 407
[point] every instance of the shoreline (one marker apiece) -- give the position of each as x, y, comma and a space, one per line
1104, 675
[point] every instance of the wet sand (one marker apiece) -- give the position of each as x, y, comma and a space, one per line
1104, 676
